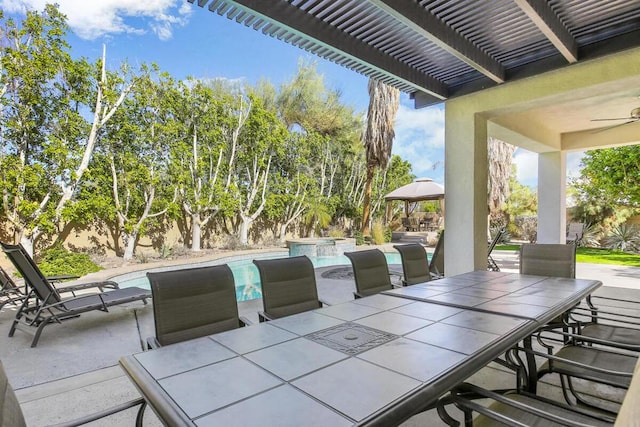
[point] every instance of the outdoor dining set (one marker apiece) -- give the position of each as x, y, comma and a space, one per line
392, 352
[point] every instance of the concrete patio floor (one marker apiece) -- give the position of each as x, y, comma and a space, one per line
74, 370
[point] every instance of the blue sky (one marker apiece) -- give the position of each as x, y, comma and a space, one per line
186, 40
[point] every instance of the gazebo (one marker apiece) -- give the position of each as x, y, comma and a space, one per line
421, 189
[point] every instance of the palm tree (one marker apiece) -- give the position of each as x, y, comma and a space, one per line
500, 155
378, 137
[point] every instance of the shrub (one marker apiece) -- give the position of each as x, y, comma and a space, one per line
623, 237
528, 227
335, 231
359, 237
59, 261
378, 233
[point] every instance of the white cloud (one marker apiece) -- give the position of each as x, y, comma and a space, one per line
95, 18
527, 167
420, 139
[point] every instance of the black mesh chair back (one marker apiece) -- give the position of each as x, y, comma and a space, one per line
288, 286
192, 303
370, 271
23, 262
415, 265
547, 259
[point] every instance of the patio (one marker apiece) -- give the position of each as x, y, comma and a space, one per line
74, 369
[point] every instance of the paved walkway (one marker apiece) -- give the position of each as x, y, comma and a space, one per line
74, 369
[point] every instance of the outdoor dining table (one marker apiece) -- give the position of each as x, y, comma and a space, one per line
371, 361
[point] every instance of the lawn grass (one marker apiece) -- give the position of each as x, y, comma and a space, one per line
594, 255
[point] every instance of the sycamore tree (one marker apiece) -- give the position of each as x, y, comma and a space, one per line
136, 156
260, 140
211, 117
48, 141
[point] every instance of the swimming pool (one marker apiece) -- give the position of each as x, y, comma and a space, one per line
244, 271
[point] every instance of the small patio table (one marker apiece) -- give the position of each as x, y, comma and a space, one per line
372, 361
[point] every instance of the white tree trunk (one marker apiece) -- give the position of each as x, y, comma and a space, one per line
27, 244
196, 233
131, 245
244, 230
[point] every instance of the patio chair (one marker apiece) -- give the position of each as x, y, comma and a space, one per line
44, 305
515, 408
491, 263
415, 265
288, 287
193, 302
10, 293
575, 232
582, 360
436, 266
11, 414
370, 271
555, 260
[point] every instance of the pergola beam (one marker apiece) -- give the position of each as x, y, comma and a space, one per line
547, 21
424, 23
297, 22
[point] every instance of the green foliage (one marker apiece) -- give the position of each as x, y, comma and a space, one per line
59, 261
523, 201
611, 176
357, 234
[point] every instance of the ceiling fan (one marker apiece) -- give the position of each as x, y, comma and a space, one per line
634, 116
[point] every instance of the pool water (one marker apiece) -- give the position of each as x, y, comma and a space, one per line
245, 274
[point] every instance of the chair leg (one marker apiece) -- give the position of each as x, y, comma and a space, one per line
36, 338
140, 416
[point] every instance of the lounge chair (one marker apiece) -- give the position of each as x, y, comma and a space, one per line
44, 304
370, 271
192, 303
515, 408
491, 263
288, 287
10, 293
436, 266
11, 414
415, 264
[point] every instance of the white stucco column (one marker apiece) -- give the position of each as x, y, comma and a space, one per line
465, 159
552, 198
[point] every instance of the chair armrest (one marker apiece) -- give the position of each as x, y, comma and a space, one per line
152, 343
552, 357
105, 413
61, 277
436, 276
264, 317
464, 394
245, 322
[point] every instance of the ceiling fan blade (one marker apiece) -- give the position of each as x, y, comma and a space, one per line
618, 118
614, 126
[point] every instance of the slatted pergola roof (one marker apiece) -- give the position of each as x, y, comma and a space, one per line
439, 49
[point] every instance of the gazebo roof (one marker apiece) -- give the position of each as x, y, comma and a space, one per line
417, 191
